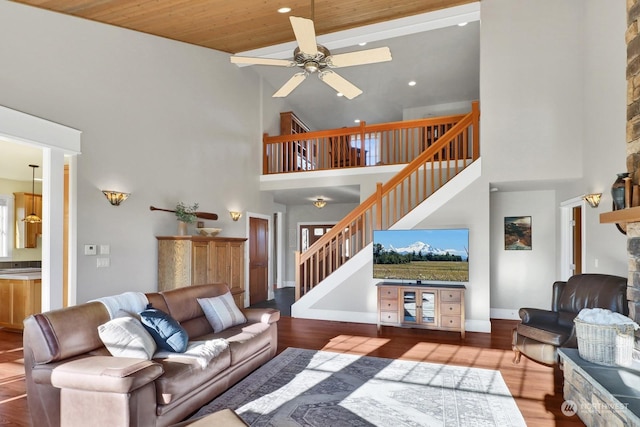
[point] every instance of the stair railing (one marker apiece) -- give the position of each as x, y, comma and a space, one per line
435, 166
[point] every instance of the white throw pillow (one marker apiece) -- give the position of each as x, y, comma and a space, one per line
221, 312
126, 337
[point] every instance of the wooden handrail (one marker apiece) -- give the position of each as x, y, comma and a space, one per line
358, 146
430, 170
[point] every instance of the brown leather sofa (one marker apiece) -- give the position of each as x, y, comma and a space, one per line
541, 332
92, 388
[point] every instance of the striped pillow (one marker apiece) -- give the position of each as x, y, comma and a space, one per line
221, 312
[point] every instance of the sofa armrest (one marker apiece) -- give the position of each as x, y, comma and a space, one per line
536, 315
264, 315
106, 374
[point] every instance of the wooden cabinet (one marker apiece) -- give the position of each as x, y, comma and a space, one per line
196, 260
26, 234
18, 299
421, 306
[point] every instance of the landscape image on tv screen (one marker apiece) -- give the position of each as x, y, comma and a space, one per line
434, 255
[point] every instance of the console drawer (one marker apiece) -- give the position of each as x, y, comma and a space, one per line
450, 295
450, 309
450, 322
389, 317
388, 293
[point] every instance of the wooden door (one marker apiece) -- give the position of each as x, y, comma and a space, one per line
200, 264
258, 260
310, 233
577, 240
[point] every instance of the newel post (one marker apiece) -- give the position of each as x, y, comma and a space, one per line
297, 276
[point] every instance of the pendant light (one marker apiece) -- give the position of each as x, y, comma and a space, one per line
32, 217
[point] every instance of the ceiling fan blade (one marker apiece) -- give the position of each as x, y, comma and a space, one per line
262, 61
290, 85
340, 84
305, 35
369, 56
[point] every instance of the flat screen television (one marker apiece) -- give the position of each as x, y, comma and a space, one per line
422, 255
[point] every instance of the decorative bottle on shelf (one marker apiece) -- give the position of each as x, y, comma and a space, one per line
617, 191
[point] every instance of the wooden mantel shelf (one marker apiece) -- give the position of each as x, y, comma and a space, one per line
621, 216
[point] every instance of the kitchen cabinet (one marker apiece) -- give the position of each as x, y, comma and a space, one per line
198, 260
438, 307
19, 299
26, 234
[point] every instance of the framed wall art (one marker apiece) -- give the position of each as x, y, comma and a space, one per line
517, 233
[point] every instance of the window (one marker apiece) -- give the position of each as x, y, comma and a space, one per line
6, 226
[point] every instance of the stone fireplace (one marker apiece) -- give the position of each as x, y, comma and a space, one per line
633, 151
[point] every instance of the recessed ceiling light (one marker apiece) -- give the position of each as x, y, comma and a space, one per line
357, 121
339, 94
362, 44
412, 83
284, 10
462, 24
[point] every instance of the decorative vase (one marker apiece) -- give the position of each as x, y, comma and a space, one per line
617, 191
182, 228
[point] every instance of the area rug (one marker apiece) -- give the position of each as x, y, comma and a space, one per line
319, 388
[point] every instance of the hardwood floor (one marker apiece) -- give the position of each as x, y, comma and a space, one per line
533, 386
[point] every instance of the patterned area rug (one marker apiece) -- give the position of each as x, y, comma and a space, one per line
321, 389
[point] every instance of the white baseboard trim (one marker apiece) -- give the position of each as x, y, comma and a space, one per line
471, 325
505, 313
289, 284
338, 316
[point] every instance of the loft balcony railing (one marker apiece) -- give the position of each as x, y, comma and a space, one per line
364, 145
446, 156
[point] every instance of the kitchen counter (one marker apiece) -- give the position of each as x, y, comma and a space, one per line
21, 274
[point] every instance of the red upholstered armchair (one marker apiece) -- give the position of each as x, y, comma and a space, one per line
541, 332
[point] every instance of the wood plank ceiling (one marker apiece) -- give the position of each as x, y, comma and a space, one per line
240, 25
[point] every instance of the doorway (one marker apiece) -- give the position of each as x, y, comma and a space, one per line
258, 260
310, 233
572, 246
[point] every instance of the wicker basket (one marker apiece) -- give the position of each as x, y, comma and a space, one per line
608, 345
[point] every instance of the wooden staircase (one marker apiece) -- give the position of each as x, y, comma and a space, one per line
441, 160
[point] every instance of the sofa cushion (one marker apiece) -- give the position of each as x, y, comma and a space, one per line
165, 330
183, 374
221, 312
245, 340
126, 337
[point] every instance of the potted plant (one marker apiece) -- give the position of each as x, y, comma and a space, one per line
186, 214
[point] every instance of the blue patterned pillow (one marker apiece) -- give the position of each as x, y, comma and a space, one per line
165, 330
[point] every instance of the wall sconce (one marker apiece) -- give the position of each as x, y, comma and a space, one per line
115, 197
235, 215
320, 203
593, 199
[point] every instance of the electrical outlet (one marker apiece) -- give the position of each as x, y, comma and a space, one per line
90, 250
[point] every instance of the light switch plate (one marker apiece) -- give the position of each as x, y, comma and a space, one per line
90, 249
105, 250
102, 262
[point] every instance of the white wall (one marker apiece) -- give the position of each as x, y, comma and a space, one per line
523, 278
552, 118
605, 92
531, 89
163, 120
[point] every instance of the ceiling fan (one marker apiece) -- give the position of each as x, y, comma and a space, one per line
314, 58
